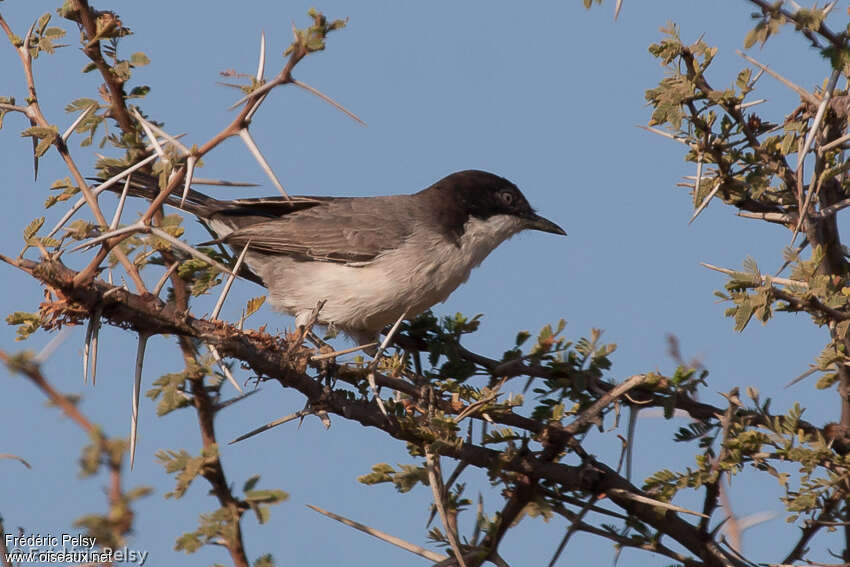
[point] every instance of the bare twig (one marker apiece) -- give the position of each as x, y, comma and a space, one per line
225, 370
764, 278
98, 190
778, 218
435, 480
807, 144
706, 201
652, 502
804, 94
75, 123
273, 424
371, 375
574, 526
161, 283
336, 353
421, 551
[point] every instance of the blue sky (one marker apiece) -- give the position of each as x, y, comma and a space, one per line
546, 94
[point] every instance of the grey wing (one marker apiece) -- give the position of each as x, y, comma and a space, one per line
349, 231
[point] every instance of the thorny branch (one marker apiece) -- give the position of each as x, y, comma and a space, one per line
272, 359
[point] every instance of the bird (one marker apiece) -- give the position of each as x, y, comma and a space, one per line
369, 259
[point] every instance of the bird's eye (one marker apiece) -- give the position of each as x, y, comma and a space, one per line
507, 197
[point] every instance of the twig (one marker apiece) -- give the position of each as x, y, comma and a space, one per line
130, 228
834, 143
273, 424
337, 353
666, 135
744, 105
574, 526
371, 376
75, 123
98, 190
652, 502
778, 218
222, 183
221, 405
809, 140
436, 483
185, 247
706, 201
161, 283
224, 368
151, 136
15, 458
804, 94
421, 551
764, 279
174, 140
832, 209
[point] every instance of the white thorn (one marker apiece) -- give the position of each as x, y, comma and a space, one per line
51, 346
706, 201
249, 141
161, 283
174, 140
120, 208
262, 65
135, 227
95, 337
224, 368
190, 170
226, 289
329, 100
151, 136
371, 376
137, 384
255, 108
98, 190
75, 123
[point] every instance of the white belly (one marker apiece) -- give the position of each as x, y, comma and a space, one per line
363, 299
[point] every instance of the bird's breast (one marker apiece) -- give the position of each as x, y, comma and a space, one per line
419, 273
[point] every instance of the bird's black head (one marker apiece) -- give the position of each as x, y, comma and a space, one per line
479, 194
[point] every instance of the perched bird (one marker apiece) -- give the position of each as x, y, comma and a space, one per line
370, 259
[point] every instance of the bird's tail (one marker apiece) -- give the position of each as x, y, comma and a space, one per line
147, 187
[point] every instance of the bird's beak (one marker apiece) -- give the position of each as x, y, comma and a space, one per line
536, 222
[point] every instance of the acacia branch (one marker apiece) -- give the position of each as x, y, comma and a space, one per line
121, 515
274, 359
91, 48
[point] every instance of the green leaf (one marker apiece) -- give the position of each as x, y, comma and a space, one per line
32, 228
139, 59
250, 483
253, 305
